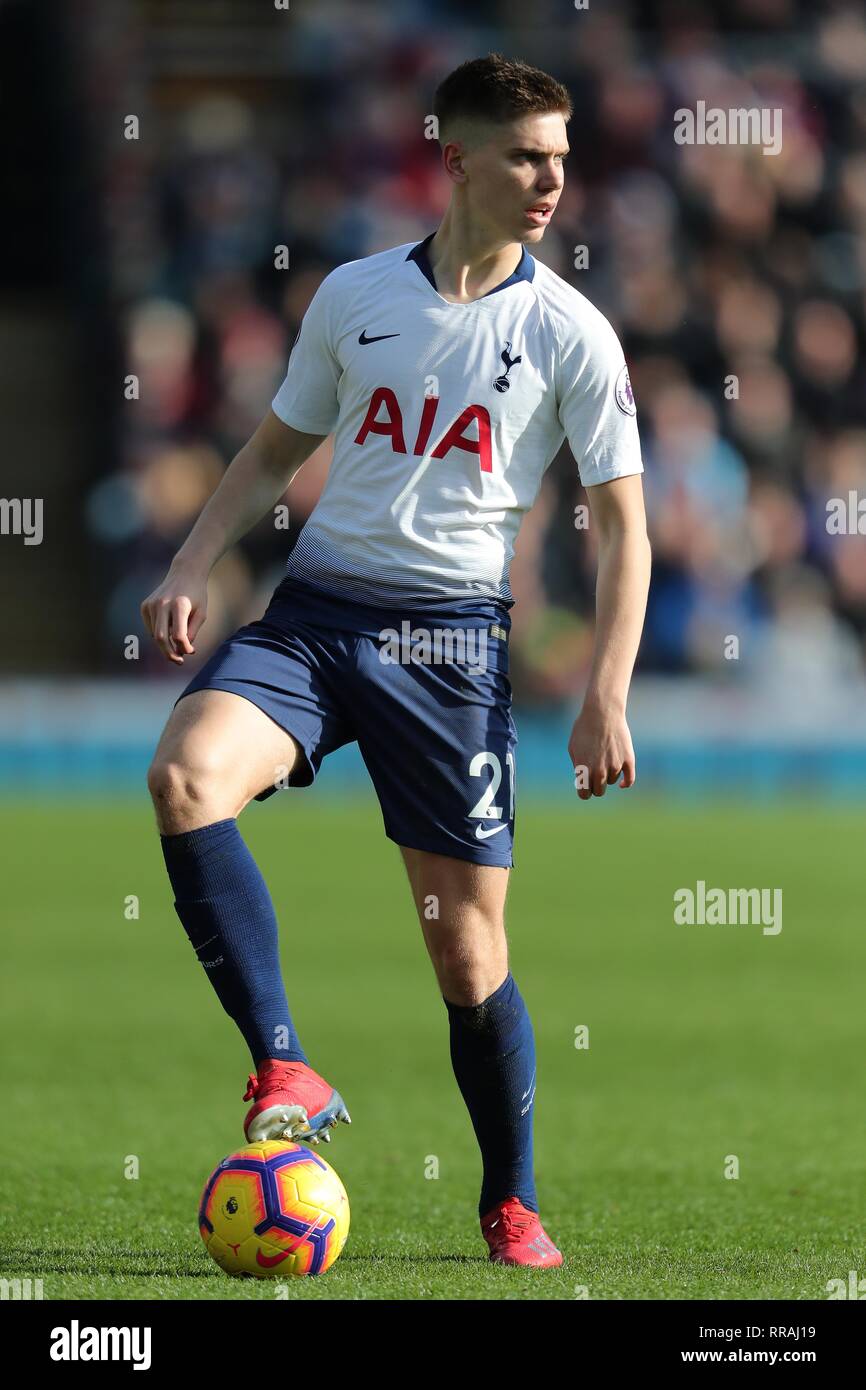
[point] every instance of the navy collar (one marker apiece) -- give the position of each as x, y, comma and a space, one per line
419, 254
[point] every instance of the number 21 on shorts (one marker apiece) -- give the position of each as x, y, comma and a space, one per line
485, 807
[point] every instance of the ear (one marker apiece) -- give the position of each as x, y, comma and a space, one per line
453, 155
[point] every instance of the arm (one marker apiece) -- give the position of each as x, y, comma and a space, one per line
252, 484
600, 741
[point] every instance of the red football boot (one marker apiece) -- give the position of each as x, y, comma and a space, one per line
291, 1102
517, 1237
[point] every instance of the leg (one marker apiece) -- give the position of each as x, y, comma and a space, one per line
217, 752
461, 909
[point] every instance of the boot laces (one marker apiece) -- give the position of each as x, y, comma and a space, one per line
275, 1079
512, 1222
516, 1221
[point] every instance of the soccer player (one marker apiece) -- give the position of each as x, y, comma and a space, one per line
449, 373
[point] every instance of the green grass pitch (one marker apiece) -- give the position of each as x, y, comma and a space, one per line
704, 1042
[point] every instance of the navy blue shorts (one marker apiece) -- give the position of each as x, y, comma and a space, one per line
424, 692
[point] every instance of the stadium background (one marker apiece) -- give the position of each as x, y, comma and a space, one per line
155, 256
258, 129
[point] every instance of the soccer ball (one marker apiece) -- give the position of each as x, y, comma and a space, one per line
273, 1209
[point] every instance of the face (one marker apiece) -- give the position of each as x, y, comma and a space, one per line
513, 175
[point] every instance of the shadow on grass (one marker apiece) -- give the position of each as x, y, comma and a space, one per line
154, 1264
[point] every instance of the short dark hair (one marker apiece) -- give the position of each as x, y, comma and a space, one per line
498, 89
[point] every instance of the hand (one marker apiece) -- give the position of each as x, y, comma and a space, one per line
175, 612
601, 752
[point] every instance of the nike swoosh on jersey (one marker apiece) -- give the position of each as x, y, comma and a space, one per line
364, 340
482, 834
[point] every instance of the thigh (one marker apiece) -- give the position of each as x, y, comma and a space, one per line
292, 676
218, 736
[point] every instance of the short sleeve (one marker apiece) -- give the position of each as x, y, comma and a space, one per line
597, 408
307, 399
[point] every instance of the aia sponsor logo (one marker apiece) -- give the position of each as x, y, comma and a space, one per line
455, 436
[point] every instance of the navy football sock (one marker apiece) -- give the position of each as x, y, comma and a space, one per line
493, 1055
226, 910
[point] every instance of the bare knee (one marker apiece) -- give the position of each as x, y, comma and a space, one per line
469, 982
190, 792
471, 961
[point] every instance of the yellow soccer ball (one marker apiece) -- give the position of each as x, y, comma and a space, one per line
274, 1209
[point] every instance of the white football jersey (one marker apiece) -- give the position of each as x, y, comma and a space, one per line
445, 418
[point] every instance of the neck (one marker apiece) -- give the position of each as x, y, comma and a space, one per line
467, 261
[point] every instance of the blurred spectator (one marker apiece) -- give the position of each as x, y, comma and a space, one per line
736, 280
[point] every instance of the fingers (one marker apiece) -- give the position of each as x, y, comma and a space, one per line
196, 618
582, 781
174, 613
594, 781
599, 782
161, 631
179, 612
146, 615
589, 781
167, 620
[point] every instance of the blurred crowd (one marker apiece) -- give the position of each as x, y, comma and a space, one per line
736, 281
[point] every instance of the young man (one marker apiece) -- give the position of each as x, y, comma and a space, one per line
450, 373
